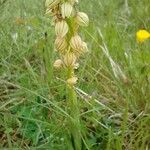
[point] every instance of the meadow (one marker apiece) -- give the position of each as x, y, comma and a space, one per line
113, 88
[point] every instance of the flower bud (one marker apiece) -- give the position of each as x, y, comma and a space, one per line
51, 3
61, 28
76, 66
73, 1
78, 45
76, 42
58, 64
70, 59
82, 19
60, 44
84, 47
72, 80
66, 10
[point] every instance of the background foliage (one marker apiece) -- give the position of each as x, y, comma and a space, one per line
114, 78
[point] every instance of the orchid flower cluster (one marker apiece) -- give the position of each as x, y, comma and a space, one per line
68, 43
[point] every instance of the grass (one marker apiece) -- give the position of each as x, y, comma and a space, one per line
114, 78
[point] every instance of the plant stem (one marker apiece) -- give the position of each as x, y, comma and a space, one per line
74, 123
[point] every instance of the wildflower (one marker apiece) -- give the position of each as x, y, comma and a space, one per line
76, 43
72, 80
60, 44
58, 64
69, 45
51, 3
76, 66
66, 10
84, 47
61, 28
82, 19
70, 59
73, 1
142, 35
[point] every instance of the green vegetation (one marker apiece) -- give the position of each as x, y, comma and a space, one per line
114, 78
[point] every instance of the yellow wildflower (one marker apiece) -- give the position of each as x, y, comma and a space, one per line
142, 35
